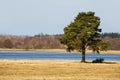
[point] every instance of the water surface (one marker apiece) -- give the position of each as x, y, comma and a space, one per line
54, 55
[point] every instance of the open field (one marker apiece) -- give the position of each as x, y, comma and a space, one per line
107, 52
60, 50
58, 70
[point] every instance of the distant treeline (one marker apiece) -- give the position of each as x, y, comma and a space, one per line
42, 41
114, 39
30, 42
111, 35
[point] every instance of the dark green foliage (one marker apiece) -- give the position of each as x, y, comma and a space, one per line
98, 60
83, 32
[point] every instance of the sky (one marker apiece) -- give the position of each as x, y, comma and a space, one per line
30, 17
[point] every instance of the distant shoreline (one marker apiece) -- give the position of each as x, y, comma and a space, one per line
60, 50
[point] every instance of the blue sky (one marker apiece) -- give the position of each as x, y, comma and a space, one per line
30, 17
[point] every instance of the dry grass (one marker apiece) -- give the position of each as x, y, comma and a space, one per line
60, 50
58, 70
107, 52
112, 52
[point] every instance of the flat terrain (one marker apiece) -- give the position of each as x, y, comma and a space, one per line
58, 70
60, 50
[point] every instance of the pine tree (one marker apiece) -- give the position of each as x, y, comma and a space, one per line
83, 32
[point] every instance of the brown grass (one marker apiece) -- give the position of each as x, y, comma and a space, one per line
60, 50
58, 70
107, 52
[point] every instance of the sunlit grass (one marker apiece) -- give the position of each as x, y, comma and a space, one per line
58, 70
60, 50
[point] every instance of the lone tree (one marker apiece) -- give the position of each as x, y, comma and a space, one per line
82, 33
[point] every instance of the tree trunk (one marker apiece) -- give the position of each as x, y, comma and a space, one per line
83, 50
83, 56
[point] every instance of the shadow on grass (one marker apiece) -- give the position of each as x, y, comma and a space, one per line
105, 62
110, 62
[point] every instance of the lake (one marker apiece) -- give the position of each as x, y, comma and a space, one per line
54, 55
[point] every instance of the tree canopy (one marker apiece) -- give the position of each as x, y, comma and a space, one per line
82, 33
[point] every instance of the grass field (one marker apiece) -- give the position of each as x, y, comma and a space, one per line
58, 70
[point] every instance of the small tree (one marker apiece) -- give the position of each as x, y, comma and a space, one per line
82, 33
